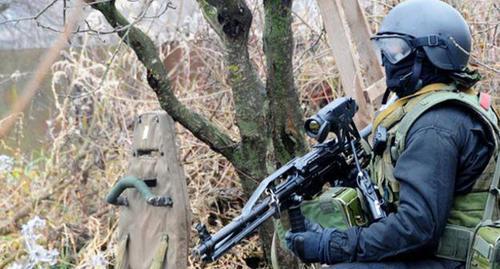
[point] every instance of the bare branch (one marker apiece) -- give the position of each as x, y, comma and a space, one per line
157, 77
40, 13
142, 16
168, 5
42, 69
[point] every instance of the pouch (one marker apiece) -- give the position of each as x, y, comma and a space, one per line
485, 248
338, 207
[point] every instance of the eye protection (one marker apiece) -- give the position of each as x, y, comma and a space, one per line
395, 48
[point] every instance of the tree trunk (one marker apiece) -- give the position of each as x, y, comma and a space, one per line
268, 116
285, 114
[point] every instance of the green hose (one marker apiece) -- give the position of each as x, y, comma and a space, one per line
134, 182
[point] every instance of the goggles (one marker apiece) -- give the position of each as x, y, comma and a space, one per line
395, 47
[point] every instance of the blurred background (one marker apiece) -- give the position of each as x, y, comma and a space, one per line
73, 141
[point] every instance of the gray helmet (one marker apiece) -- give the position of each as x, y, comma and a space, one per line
437, 27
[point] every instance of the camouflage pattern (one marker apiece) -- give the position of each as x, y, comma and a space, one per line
337, 207
486, 248
468, 210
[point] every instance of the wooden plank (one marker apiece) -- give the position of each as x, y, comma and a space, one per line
349, 37
345, 56
373, 94
371, 70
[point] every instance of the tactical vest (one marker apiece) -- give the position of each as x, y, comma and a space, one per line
470, 211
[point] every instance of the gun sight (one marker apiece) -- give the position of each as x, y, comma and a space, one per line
333, 117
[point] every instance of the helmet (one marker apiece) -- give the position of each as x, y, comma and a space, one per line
432, 25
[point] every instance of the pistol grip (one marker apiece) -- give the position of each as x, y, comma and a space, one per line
297, 220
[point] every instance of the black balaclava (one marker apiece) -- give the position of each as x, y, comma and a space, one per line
411, 74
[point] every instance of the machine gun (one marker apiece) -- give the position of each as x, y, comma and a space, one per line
302, 177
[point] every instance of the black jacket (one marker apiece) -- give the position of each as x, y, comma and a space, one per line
447, 148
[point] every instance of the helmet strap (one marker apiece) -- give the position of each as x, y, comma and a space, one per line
415, 83
385, 98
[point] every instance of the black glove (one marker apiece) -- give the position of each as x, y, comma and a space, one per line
312, 245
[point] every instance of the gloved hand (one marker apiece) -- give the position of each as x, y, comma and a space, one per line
312, 245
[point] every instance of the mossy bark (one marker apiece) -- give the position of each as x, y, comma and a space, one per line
231, 20
285, 114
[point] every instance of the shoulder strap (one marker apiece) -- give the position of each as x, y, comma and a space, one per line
493, 193
467, 100
403, 101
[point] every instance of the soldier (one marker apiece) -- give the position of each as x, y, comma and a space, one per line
436, 167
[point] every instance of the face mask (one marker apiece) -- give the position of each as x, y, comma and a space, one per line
398, 76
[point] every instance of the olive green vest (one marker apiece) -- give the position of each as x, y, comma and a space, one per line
468, 210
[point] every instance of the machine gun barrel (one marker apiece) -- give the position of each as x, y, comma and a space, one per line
209, 250
306, 173
301, 177
216, 245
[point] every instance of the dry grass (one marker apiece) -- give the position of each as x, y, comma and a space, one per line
99, 91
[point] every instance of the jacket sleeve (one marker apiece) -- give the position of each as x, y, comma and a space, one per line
426, 171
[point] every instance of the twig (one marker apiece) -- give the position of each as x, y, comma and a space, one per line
26, 210
43, 10
474, 59
11, 258
42, 69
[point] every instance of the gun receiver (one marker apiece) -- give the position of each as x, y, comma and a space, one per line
304, 176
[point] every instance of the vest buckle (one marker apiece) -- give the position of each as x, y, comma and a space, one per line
380, 140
